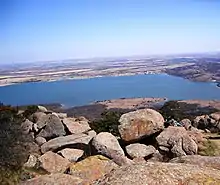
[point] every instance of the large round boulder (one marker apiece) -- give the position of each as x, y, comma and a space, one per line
107, 144
139, 124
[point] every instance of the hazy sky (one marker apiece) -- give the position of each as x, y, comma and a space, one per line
37, 30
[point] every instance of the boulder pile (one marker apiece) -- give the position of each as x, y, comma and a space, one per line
70, 152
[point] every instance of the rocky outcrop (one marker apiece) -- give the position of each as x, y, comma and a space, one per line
54, 128
215, 116
139, 124
54, 179
177, 141
156, 173
210, 122
202, 161
76, 127
63, 141
53, 163
68, 143
138, 150
71, 154
105, 143
201, 122
92, 168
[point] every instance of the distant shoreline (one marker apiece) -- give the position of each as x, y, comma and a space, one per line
91, 77
73, 78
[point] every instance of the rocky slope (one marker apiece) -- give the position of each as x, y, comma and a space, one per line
146, 151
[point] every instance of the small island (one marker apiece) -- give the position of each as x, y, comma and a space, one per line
218, 84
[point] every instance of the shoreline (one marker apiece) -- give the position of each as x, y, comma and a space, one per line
74, 78
98, 76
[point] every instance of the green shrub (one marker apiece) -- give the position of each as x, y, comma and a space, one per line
181, 110
108, 123
30, 110
13, 145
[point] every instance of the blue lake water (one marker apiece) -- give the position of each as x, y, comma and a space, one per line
85, 91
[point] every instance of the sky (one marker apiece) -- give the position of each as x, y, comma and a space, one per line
45, 30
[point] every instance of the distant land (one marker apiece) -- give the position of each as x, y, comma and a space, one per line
200, 67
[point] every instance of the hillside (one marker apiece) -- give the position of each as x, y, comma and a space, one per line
114, 148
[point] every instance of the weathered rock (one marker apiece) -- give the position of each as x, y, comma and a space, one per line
41, 120
60, 115
92, 168
54, 179
105, 143
178, 140
92, 133
211, 122
32, 161
120, 159
63, 141
215, 116
139, 124
202, 161
139, 150
157, 157
197, 135
140, 160
40, 140
26, 126
156, 173
71, 154
186, 123
82, 118
42, 108
201, 122
38, 116
76, 127
53, 163
35, 128
54, 128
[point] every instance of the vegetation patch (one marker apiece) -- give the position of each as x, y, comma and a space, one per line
14, 146
107, 123
181, 110
211, 147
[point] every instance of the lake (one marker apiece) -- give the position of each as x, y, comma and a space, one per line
85, 91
